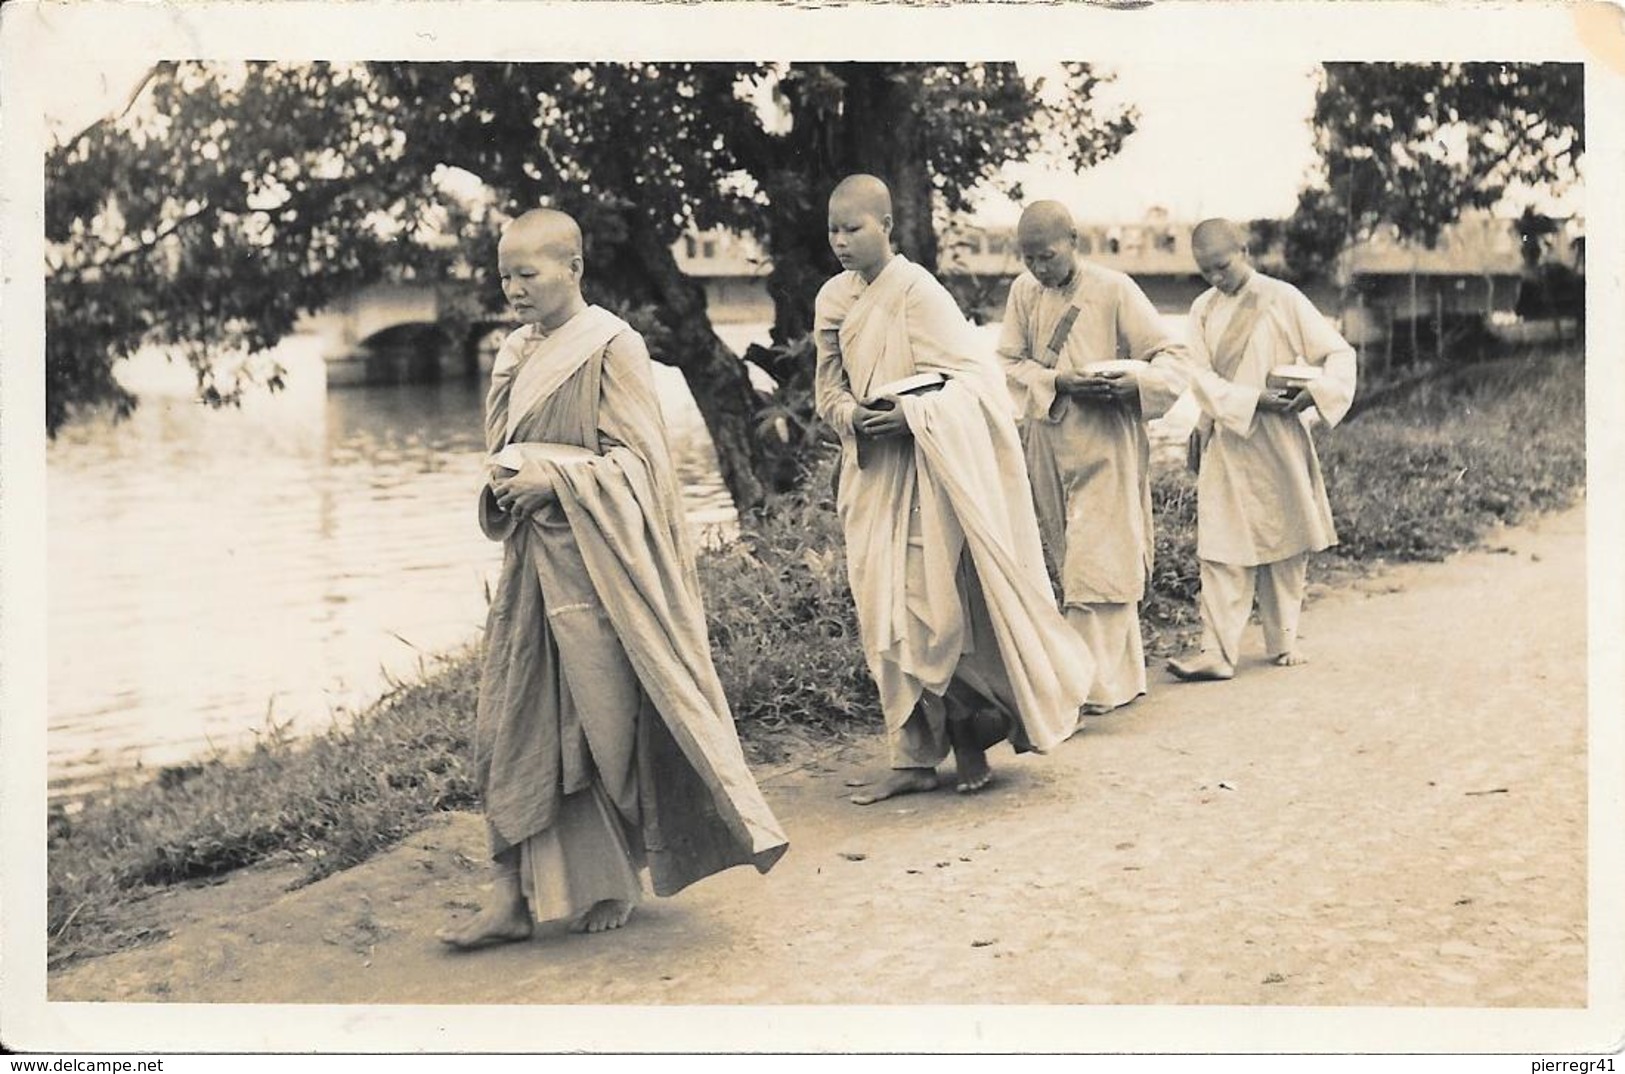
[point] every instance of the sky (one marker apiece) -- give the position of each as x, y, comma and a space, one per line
1210, 141
1232, 141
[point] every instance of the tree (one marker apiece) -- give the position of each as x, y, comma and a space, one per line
936, 133
231, 198
1414, 145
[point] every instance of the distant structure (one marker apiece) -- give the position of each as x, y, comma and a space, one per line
1474, 270
417, 331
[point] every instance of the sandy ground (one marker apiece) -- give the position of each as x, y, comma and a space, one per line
1401, 822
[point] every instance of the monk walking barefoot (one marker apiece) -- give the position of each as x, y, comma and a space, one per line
1261, 358
595, 615
954, 605
1089, 362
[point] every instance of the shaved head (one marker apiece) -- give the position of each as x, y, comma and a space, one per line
1045, 222
864, 193
547, 230
1219, 248
1047, 239
539, 261
1218, 236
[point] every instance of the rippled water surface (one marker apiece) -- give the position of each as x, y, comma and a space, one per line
209, 571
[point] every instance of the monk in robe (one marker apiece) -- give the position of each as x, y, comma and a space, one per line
1261, 505
603, 743
958, 621
1084, 434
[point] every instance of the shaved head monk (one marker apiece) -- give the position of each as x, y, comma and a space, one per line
1261, 504
602, 741
1088, 360
958, 621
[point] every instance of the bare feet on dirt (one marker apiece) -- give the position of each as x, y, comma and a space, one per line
500, 922
903, 781
1202, 668
606, 914
970, 758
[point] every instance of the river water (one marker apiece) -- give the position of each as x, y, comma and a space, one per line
211, 572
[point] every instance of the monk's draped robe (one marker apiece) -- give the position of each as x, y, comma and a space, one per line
603, 741
1090, 461
942, 547
1259, 493
1261, 504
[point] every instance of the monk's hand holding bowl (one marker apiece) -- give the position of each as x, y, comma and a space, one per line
1285, 400
1075, 384
1115, 387
876, 422
525, 491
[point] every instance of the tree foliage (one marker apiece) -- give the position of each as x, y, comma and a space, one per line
1415, 145
231, 198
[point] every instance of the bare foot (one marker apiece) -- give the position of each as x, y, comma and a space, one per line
972, 770
902, 781
1203, 668
502, 921
1291, 658
1096, 708
602, 916
970, 755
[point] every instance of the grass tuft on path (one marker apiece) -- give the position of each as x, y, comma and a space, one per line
1414, 480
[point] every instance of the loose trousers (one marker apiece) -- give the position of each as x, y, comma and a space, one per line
1227, 601
1112, 633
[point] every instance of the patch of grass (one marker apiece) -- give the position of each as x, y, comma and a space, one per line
784, 631
1168, 612
1431, 473
328, 800
1419, 477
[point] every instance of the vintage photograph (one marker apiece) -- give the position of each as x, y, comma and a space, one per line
1102, 529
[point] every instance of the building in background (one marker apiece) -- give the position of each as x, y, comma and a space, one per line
1396, 301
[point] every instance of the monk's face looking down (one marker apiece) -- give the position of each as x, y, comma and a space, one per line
1221, 259
1049, 255
860, 238
540, 279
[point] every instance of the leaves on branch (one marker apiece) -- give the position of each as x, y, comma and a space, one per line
1414, 145
230, 198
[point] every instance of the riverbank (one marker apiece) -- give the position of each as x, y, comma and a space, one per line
1414, 480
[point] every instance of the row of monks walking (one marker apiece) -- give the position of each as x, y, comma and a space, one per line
603, 743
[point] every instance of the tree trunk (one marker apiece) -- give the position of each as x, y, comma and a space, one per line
884, 124
1416, 315
873, 127
717, 378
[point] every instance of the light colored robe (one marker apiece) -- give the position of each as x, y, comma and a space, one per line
956, 487
1259, 495
1090, 463
597, 670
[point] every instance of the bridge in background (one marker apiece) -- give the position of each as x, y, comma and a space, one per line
425, 331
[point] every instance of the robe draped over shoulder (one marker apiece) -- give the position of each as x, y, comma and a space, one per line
609, 562
1260, 497
959, 485
1089, 462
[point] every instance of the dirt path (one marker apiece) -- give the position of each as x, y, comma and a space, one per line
1401, 822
